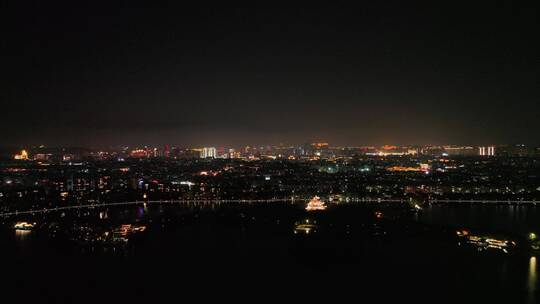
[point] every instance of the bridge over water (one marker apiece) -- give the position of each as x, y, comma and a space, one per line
148, 202
252, 201
473, 201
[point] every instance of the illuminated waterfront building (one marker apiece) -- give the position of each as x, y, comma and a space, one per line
24, 226
21, 156
315, 204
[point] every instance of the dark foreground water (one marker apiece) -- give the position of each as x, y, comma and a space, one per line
250, 253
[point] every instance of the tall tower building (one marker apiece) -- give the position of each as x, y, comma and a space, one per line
167, 151
482, 151
208, 152
486, 151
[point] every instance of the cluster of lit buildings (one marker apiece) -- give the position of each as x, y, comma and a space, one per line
309, 151
48, 177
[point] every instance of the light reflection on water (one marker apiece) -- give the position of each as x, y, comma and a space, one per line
140, 212
532, 280
22, 235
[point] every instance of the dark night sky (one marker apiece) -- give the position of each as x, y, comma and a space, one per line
369, 74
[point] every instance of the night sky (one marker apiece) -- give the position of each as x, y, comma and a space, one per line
133, 74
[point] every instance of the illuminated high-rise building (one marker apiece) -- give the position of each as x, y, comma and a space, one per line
42, 156
482, 151
486, 151
208, 152
167, 151
221, 153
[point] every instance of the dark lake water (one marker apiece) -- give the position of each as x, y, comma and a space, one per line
250, 253
504, 218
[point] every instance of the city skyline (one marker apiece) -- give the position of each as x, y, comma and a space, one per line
309, 151
199, 147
